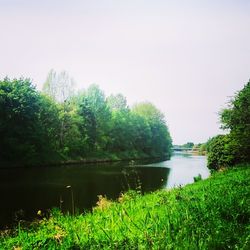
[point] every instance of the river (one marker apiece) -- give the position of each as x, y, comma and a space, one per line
24, 191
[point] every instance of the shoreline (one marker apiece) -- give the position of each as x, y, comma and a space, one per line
84, 161
166, 215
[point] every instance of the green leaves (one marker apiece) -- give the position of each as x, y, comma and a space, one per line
19, 117
220, 152
235, 147
158, 138
40, 128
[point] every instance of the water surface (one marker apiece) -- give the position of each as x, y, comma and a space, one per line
183, 169
25, 191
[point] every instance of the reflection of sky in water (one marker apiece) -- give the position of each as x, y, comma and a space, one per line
183, 169
34, 189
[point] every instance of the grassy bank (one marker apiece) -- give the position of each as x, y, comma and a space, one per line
209, 214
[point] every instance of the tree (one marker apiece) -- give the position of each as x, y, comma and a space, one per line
96, 117
149, 112
120, 125
27, 126
60, 86
121, 133
117, 102
160, 140
72, 140
236, 118
88, 126
46, 127
50, 85
188, 145
221, 152
233, 148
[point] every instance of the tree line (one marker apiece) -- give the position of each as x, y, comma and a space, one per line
234, 147
56, 124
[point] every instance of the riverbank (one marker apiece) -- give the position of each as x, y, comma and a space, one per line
209, 214
103, 158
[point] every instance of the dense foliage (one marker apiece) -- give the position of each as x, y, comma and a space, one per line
221, 152
28, 122
226, 150
57, 125
209, 214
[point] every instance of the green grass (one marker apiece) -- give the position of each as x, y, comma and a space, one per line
209, 214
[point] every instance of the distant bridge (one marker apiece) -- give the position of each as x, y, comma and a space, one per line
189, 150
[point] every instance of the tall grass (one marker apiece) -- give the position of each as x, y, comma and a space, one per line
209, 214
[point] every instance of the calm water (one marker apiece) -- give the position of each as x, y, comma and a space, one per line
25, 191
183, 169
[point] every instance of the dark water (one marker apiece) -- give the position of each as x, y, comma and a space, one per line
25, 191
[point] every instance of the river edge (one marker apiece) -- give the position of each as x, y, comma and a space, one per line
82, 161
25, 191
209, 214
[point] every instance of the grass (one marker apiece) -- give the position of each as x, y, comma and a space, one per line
209, 214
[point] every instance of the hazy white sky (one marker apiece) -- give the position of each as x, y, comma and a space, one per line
186, 57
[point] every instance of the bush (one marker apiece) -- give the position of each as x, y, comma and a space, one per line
222, 152
234, 148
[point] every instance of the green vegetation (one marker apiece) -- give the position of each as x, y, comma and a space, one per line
57, 125
28, 121
187, 145
209, 214
200, 148
233, 148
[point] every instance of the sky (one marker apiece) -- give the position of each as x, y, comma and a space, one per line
187, 57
